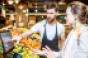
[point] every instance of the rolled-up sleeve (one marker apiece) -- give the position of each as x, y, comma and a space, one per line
61, 31
35, 28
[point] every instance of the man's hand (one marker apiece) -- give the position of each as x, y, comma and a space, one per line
17, 39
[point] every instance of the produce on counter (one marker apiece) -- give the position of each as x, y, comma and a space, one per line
27, 44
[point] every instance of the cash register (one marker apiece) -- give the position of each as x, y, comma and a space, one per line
7, 43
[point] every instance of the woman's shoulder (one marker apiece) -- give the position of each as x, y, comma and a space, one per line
84, 32
84, 29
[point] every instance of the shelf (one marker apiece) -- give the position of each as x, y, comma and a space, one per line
38, 14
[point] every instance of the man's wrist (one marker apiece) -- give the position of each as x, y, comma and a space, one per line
20, 37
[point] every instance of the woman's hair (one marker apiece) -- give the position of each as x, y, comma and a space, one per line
79, 9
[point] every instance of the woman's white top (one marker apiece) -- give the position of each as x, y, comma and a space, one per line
76, 49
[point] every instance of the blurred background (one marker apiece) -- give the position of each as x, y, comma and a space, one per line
25, 13
15, 14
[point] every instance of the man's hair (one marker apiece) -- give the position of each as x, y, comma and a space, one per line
51, 6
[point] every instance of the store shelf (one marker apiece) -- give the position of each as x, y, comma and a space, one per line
38, 14
45, 14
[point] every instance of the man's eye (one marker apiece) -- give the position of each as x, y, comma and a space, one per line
50, 13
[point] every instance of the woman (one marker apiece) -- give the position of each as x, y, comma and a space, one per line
76, 43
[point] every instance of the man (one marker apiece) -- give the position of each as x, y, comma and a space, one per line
50, 30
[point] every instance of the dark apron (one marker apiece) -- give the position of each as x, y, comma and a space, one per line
52, 44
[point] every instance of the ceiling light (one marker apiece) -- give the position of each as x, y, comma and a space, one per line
17, 1
10, 2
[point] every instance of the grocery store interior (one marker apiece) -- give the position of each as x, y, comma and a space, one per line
17, 16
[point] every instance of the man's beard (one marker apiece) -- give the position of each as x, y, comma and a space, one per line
50, 20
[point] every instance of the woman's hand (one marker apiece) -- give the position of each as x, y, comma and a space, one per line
38, 52
45, 52
48, 52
